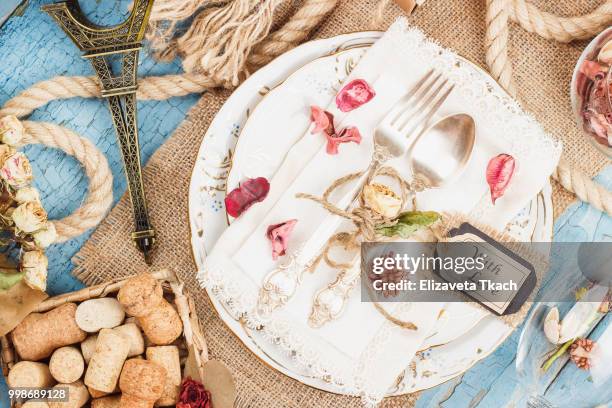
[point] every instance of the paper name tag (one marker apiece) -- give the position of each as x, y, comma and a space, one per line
503, 279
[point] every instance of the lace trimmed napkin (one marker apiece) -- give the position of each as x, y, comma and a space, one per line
362, 351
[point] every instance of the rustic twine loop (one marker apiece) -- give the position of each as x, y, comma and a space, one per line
562, 29
366, 221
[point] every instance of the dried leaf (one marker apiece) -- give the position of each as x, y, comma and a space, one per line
409, 223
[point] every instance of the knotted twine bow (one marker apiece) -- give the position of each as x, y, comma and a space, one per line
366, 221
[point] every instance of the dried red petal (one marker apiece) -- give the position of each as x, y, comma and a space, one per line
348, 134
248, 193
278, 234
323, 120
499, 173
354, 94
193, 395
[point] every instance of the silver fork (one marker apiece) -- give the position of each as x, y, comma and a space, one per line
393, 136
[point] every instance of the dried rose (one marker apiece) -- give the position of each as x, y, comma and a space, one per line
26, 194
16, 170
580, 353
324, 123
29, 217
11, 130
6, 151
245, 195
46, 236
278, 234
193, 395
354, 94
382, 200
499, 173
34, 264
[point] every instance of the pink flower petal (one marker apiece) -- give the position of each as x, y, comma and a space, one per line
278, 234
248, 193
354, 94
323, 120
348, 134
592, 69
499, 173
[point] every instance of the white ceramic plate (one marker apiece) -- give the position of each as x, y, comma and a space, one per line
315, 84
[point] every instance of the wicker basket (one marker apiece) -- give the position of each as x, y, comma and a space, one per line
191, 342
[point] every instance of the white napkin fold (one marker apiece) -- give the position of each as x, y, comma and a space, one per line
379, 351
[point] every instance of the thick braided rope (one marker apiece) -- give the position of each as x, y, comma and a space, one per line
293, 32
552, 27
562, 29
100, 195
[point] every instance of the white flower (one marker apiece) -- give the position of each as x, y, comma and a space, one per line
34, 264
11, 130
26, 194
45, 236
16, 170
382, 199
30, 217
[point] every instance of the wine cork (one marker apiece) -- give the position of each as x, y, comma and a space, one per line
406, 5
77, 396
105, 365
167, 357
38, 335
133, 334
35, 404
162, 325
112, 401
29, 374
88, 347
66, 364
142, 383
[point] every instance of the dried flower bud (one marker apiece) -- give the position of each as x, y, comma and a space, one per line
382, 200
34, 264
11, 130
27, 194
30, 217
46, 236
16, 170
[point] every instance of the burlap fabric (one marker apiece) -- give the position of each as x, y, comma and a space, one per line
543, 70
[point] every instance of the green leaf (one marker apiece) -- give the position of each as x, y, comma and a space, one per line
8, 280
408, 223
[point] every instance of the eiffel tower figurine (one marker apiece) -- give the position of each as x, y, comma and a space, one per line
108, 48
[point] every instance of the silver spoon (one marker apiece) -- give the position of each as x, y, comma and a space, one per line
436, 158
441, 154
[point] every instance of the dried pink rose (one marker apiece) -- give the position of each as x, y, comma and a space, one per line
354, 94
499, 173
324, 123
245, 195
278, 234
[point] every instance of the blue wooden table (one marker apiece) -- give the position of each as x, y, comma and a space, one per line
32, 48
